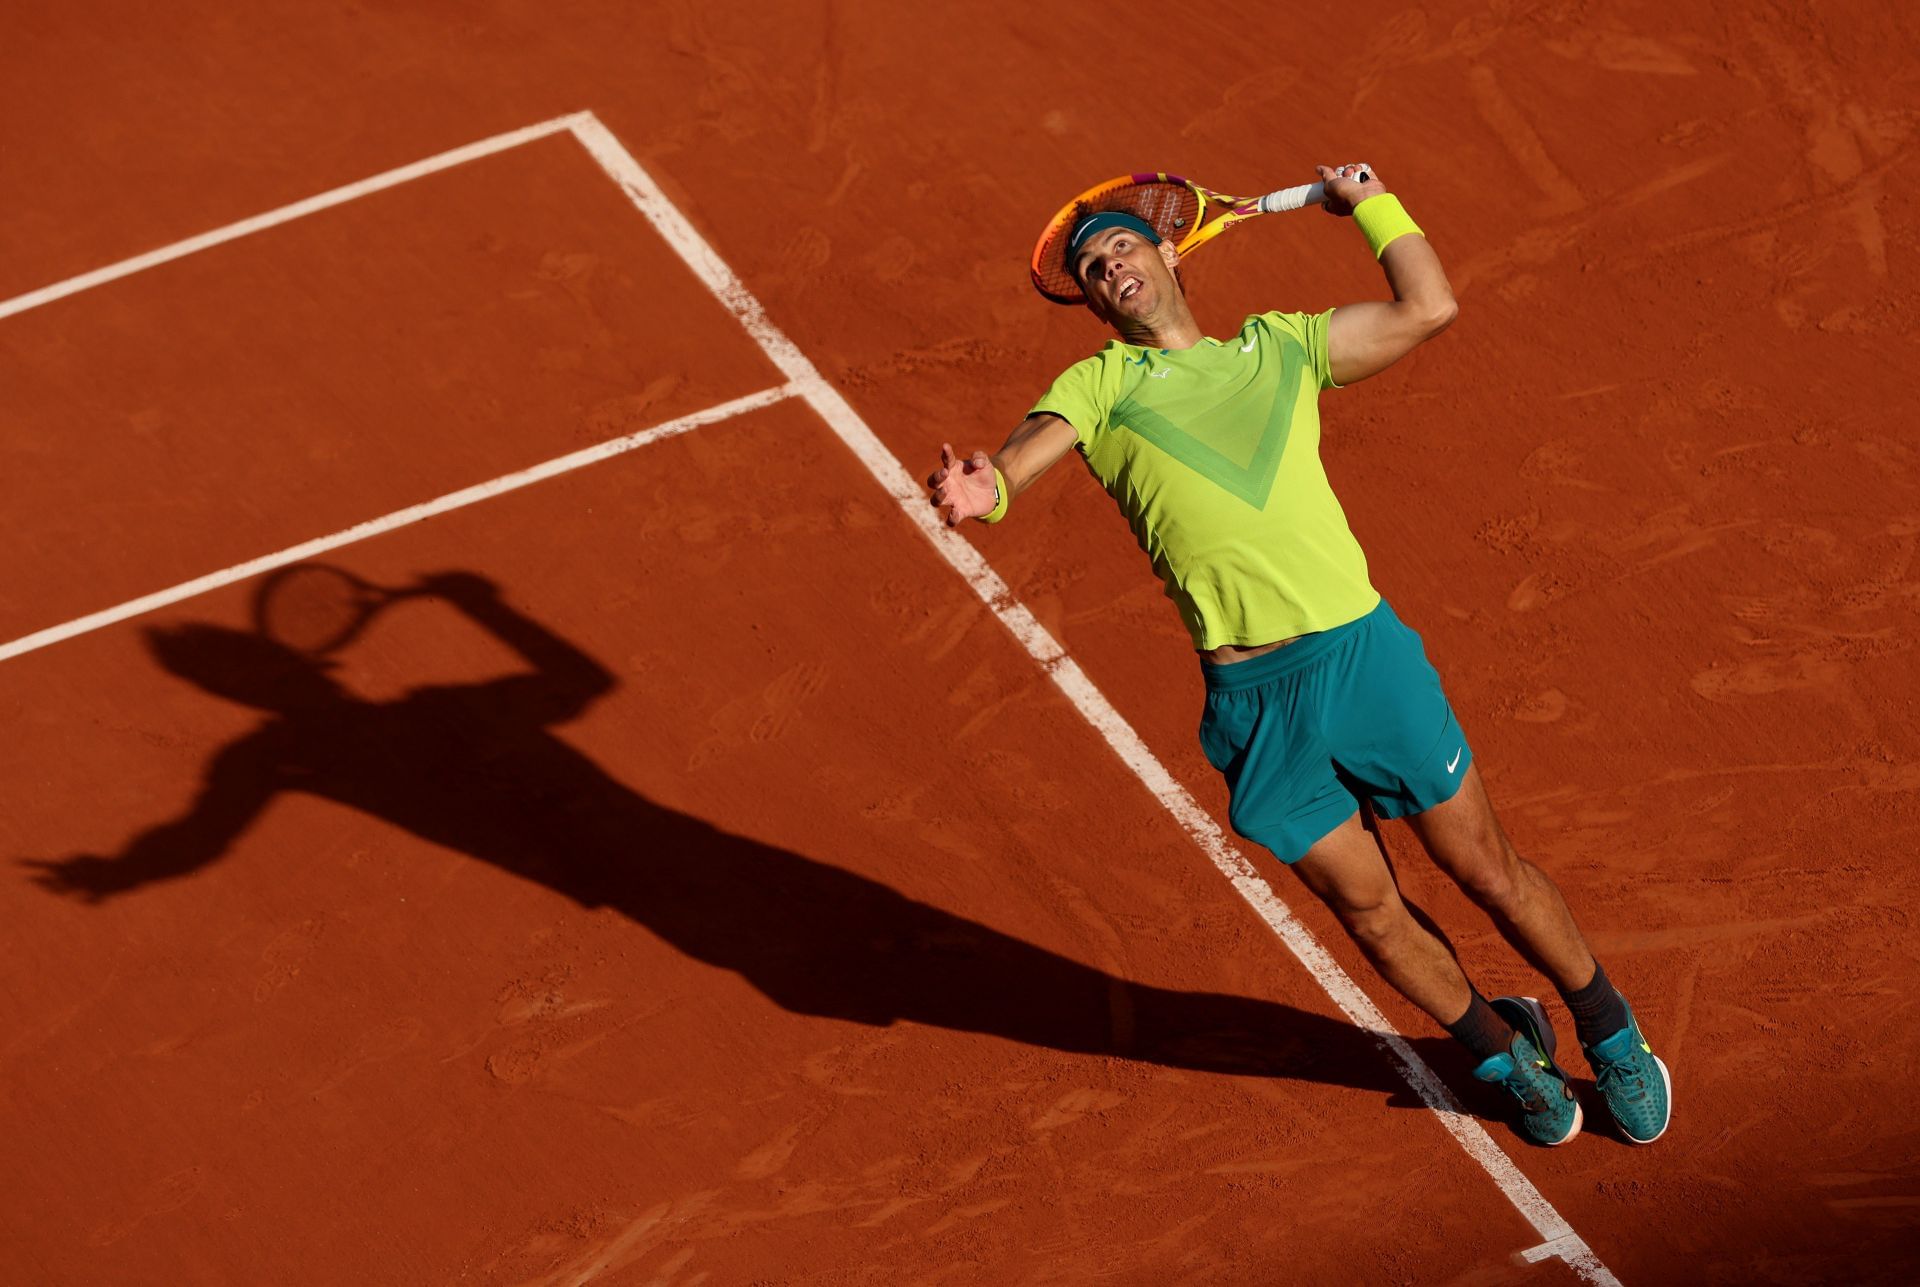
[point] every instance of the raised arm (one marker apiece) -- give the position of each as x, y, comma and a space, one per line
968, 488
565, 678
1365, 339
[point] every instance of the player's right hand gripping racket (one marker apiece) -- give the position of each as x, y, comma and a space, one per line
316, 608
1180, 210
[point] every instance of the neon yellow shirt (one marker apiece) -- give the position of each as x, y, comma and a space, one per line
1213, 454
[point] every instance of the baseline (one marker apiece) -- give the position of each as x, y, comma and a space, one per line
286, 214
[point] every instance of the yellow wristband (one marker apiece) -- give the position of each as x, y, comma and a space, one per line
1383, 221
999, 510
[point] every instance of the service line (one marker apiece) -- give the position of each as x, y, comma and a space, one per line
399, 518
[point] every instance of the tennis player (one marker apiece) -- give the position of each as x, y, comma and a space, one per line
1320, 704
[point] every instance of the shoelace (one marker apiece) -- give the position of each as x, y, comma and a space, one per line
1523, 1090
1619, 1070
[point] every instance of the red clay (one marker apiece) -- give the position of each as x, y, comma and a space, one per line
781, 922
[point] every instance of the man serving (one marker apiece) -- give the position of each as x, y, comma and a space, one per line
1320, 704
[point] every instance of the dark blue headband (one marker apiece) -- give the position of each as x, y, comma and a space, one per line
1100, 221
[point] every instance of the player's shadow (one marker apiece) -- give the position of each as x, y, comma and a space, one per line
476, 768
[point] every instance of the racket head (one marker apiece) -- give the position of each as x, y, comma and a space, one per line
315, 608
1177, 209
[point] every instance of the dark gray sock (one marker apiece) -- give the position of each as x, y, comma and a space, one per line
1598, 1010
1481, 1030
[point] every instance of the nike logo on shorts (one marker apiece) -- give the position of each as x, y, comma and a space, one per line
1454, 763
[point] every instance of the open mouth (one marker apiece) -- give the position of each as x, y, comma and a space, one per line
1127, 288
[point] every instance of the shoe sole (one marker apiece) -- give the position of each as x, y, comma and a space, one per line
1579, 1120
1528, 1017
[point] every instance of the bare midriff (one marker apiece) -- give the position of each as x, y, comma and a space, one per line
1227, 654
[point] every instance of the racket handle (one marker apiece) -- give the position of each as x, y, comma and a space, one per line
1307, 194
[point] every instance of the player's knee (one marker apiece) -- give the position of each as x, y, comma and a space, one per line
1494, 880
1375, 922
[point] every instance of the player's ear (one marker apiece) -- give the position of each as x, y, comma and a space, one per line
1168, 254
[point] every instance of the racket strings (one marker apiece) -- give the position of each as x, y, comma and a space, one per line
1171, 208
311, 609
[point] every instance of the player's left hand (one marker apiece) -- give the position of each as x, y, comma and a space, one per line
1345, 190
89, 877
962, 488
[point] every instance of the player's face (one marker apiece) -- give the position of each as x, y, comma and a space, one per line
1125, 276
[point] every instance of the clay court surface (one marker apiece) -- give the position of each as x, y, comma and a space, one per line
733, 897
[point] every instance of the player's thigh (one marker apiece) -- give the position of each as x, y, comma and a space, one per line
1346, 870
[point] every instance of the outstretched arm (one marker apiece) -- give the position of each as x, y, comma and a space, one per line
239, 783
968, 489
1365, 339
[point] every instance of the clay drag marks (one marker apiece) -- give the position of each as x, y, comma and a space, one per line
1699, 573
1652, 501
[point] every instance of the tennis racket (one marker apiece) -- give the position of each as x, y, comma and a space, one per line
316, 608
1180, 210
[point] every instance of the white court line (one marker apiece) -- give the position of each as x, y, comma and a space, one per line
274, 218
1558, 1237
399, 518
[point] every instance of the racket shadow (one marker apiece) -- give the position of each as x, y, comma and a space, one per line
476, 768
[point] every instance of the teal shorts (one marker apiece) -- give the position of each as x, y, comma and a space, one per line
1308, 732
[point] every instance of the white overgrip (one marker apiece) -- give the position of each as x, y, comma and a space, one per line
1307, 194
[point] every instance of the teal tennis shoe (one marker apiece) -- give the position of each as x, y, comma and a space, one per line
1637, 1086
1549, 1113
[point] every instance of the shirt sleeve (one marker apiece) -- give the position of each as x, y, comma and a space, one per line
1082, 398
1310, 329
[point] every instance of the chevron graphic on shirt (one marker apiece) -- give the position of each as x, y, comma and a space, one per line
1258, 445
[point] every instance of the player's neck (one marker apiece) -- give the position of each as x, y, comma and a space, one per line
1170, 328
